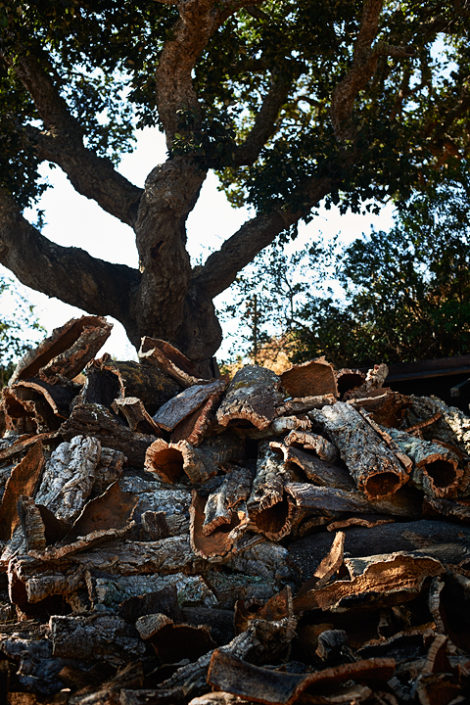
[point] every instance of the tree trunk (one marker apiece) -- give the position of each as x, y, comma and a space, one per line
168, 304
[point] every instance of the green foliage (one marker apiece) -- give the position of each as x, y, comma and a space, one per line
405, 296
103, 54
19, 327
407, 291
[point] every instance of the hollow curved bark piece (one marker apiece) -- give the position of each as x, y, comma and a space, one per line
313, 378
317, 471
58, 396
24, 415
321, 446
268, 507
66, 351
349, 379
374, 467
107, 380
223, 502
252, 396
435, 470
217, 543
170, 460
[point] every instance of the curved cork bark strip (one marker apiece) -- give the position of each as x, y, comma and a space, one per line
136, 415
316, 470
375, 380
252, 396
268, 507
172, 460
386, 579
195, 427
300, 405
265, 685
440, 539
170, 360
321, 446
107, 380
375, 468
279, 427
58, 396
176, 409
436, 470
66, 352
224, 501
220, 541
330, 501
23, 415
385, 406
313, 378
23, 480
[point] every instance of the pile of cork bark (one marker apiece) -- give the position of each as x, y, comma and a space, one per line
167, 539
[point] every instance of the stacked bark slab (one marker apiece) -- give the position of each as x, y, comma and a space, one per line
171, 539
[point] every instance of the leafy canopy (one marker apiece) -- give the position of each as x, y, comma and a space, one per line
103, 56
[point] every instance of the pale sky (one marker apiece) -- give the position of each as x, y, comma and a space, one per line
73, 220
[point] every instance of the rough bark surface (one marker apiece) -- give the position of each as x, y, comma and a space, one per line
126, 582
374, 467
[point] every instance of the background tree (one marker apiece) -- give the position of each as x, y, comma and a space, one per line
405, 293
18, 331
290, 102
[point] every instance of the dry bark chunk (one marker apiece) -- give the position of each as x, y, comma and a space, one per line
107, 380
106, 637
171, 461
136, 415
175, 410
23, 480
252, 396
96, 420
267, 504
436, 469
66, 352
374, 467
313, 378
68, 477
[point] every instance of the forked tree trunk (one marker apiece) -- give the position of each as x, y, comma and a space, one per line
168, 304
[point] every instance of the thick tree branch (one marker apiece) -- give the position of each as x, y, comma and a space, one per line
92, 176
363, 66
177, 102
265, 122
222, 267
68, 273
